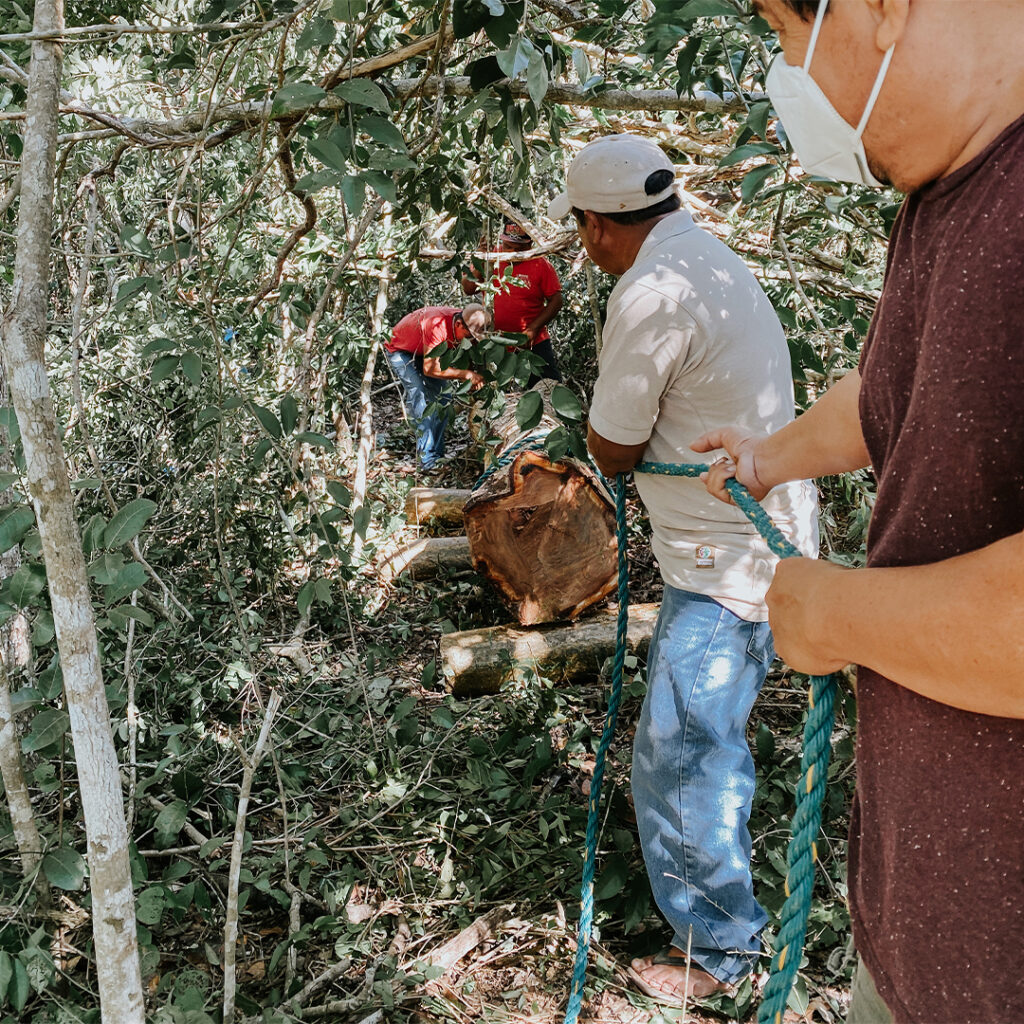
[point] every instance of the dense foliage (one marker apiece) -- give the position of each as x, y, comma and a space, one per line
255, 193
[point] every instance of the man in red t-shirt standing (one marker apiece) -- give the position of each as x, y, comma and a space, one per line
526, 299
414, 352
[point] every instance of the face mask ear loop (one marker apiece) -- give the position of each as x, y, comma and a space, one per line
875, 90
818, 19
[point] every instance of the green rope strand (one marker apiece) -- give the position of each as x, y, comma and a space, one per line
802, 852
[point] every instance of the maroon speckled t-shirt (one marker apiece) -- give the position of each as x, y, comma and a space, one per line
937, 834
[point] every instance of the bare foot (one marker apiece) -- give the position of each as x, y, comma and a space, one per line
671, 979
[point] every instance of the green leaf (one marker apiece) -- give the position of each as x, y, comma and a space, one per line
130, 578
348, 10
309, 437
328, 153
127, 522
613, 878
268, 419
363, 93
339, 492
741, 153
757, 119
47, 729
529, 410
289, 413
305, 599
163, 368
260, 451
150, 903
126, 289
353, 191
121, 616
64, 868
517, 57
556, 444
6, 973
566, 404
15, 522
134, 240
383, 131
28, 582
19, 989
706, 9
170, 821
192, 367
537, 78
319, 32
9, 422
382, 184
8, 480
296, 96
754, 180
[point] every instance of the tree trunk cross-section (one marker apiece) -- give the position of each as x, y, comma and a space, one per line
543, 533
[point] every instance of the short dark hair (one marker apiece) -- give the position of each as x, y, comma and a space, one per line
807, 10
657, 181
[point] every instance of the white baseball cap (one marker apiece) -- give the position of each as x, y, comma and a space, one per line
609, 176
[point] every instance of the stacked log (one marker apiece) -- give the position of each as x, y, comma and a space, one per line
481, 660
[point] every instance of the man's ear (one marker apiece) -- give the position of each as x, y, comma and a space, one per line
595, 224
890, 21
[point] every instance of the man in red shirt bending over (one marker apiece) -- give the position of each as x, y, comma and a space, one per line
526, 301
414, 353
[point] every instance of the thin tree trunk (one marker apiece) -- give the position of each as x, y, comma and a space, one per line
23, 822
366, 403
113, 907
231, 912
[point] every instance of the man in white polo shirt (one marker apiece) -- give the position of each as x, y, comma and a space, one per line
690, 342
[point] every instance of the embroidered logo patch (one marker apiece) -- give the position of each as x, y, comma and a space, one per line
705, 557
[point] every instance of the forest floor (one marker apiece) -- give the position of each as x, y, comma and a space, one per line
391, 817
424, 814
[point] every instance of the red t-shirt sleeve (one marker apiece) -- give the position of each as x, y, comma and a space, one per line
548, 279
435, 332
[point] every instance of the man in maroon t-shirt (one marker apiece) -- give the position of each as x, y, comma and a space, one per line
935, 621
527, 297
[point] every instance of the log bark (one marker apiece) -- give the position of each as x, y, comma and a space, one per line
543, 533
480, 660
24, 334
438, 505
427, 557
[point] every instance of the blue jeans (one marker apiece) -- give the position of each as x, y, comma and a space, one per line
422, 391
693, 778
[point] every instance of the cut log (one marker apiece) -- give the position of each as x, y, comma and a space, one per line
542, 532
481, 660
435, 505
428, 556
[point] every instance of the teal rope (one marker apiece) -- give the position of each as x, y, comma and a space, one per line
532, 443
593, 813
802, 852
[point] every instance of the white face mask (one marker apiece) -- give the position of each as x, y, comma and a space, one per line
824, 142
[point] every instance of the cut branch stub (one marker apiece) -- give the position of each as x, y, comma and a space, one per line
543, 532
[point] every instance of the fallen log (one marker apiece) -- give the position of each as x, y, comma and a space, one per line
439, 505
427, 557
480, 660
542, 532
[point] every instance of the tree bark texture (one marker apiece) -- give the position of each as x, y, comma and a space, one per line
543, 533
437, 505
24, 334
480, 660
427, 557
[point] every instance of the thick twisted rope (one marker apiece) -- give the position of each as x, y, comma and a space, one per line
802, 852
